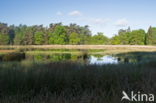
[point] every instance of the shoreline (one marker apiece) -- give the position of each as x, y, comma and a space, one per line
79, 46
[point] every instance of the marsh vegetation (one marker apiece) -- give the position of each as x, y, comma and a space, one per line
67, 76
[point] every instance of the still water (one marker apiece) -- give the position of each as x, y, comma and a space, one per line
91, 58
106, 59
87, 59
81, 58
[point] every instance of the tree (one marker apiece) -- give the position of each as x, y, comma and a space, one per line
4, 28
4, 39
39, 38
99, 39
58, 36
129, 29
115, 40
137, 37
18, 40
74, 38
4, 34
150, 38
19, 34
71, 34
124, 38
28, 36
11, 34
85, 34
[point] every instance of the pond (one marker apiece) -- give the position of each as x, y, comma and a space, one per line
84, 58
105, 59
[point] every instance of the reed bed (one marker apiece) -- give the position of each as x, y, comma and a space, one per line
66, 82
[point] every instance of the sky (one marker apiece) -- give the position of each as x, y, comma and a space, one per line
107, 16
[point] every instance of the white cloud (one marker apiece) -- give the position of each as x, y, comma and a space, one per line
59, 13
122, 22
99, 21
75, 13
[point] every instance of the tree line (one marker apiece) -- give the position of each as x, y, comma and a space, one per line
71, 34
135, 37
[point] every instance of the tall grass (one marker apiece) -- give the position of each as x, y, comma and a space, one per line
107, 47
64, 82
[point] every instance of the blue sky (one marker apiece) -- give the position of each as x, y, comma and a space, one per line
107, 16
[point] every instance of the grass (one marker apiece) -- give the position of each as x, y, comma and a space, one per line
69, 82
76, 52
96, 49
92, 47
64, 82
6, 51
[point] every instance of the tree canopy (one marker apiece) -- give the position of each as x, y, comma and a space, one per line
151, 36
71, 34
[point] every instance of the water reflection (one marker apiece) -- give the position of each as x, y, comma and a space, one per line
95, 59
81, 58
59, 58
107, 59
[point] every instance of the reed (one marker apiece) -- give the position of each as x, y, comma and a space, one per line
66, 82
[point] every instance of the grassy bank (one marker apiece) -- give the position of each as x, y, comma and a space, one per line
69, 82
100, 49
107, 47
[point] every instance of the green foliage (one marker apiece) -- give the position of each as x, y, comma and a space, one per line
74, 38
28, 36
18, 39
58, 36
19, 35
115, 40
4, 39
124, 38
151, 36
4, 34
71, 34
137, 37
85, 39
83, 32
39, 38
99, 39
